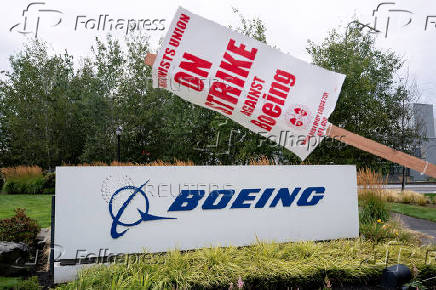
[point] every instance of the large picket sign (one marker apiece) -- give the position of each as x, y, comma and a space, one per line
273, 94
263, 89
104, 211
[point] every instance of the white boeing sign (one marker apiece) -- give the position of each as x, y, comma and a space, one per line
104, 211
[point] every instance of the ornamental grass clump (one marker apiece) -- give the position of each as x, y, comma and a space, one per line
373, 207
263, 265
23, 179
20, 172
405, 196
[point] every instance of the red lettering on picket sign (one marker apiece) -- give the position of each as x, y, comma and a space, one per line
168, 57
197, 66
232, 73
224, 93
189, 81
252, 97
318, 125
275, 99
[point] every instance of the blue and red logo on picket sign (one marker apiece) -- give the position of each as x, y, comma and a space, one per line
216, 200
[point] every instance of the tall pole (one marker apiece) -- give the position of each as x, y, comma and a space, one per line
403, 182
119, 152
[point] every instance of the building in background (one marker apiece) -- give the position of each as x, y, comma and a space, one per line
423, 114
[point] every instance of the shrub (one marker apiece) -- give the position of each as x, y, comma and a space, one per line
49, 183
431, 197
413, 197
29, 284
19, 228
33, 185
10, 187
380, 231
23, 179
50, 180
50, 191
2, 181
373, 207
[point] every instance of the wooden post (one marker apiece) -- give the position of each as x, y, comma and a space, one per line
150, 58
365, 144
381, 150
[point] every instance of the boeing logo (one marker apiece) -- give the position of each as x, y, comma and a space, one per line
144, 215
189, 200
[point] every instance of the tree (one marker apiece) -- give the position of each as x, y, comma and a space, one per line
371, 98
37, 120
101, 78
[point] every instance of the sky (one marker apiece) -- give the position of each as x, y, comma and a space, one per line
405, 27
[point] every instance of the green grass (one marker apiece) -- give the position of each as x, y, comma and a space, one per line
9, 282
37, 206
19, 283
416, 211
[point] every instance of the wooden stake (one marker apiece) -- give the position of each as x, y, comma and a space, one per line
150, 58
365, 144
381, 150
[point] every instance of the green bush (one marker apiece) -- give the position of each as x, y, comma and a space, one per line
10, 187
380, 231
373, 208
49, 181
34, 185
19, 228
50, 191
27, 180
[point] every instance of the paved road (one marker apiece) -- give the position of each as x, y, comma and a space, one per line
422, 188
420, 225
